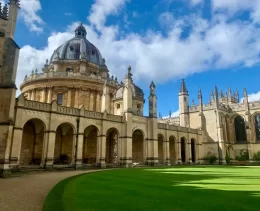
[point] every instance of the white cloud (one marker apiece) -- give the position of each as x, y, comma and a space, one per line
29, 13
173, 114
212, 44
102, 8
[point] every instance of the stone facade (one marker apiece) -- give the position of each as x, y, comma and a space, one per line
74, 113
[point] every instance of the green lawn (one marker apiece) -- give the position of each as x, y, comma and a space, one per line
176, 188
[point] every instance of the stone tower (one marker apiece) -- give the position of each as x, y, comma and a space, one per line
9, 53
184, 105
14, 6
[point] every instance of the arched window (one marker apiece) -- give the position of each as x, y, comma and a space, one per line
240, 129
257, 127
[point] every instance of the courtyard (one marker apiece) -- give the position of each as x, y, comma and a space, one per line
175, 188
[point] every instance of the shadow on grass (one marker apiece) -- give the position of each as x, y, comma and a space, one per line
185, 188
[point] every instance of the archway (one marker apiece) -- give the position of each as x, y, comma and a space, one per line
257, 127
138, 147
160, 148
90, 145
112, 146
172, 149
183, 150
240, 129
193, 150
63, 153
32, 142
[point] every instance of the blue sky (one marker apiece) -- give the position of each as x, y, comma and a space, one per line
207, 42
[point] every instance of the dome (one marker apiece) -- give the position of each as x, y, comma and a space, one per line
79, 48
137, 92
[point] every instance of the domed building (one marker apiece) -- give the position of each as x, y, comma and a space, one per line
74, 114
76, 76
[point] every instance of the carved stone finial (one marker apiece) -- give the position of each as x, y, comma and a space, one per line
129, 69
5, 12
193, 103
36, 71
116, 79
47, 61
25, 77
32, 72
112, 77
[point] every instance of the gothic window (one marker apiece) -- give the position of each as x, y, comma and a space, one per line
118, 106
185, 99
59, 99
257, 127
240, 129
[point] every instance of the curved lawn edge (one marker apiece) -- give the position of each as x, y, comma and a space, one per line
53, 200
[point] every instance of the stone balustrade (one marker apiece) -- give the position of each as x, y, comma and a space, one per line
83, 76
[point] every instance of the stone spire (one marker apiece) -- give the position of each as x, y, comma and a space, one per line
183, 87
152, 101
200, 98
128, 92
216, 95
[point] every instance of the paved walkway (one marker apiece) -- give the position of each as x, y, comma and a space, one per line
28, 191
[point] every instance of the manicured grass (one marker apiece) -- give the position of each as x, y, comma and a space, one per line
177, 188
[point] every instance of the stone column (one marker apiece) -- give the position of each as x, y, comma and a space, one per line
98, 102
29, 95
49, 99
79, 150
179, 151
76, 101
91, 107
101, 151
43, 96
44, 151
50, 149
33, 97
166, 155
69, 98
16, 147
188, 151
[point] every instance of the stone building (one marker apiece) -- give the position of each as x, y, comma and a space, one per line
73, 113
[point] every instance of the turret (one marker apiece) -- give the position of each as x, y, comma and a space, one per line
184, 105
200, 98
12, 17
246, 104
127, 92
105, 101
216, 96
152, 101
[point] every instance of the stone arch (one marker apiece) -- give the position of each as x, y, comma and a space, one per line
138, 146
255, 127
160, 147
112, 146
32, 145
240, 129
183, 149
172, 149
91, 134
193, 150
64, 144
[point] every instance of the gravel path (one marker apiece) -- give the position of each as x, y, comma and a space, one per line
28, 191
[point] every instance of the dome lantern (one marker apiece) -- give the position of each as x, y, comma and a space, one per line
81, 31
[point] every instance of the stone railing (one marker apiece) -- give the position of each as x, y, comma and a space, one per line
93, 115
114, 118
37, 105
68, 110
